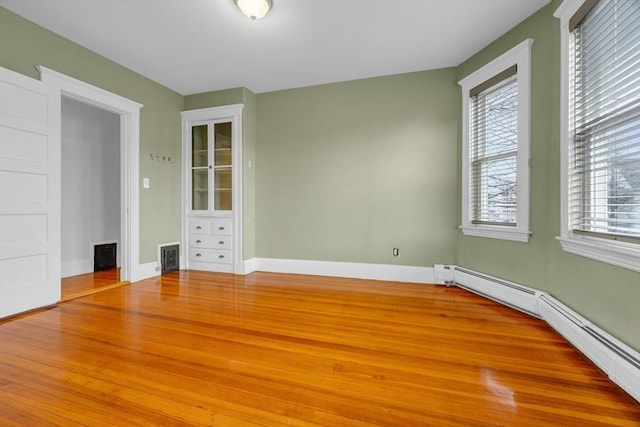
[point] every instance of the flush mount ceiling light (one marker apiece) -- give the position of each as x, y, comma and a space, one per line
254, 9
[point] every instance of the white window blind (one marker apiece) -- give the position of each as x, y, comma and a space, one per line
604, 182
493, 150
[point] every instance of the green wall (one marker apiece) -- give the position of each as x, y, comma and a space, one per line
608, 296
348, 171
248, 98
23, 45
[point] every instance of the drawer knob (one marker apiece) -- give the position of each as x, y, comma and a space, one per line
198, 241
221, 242
220, 256
198, 227
221, 228
198, 254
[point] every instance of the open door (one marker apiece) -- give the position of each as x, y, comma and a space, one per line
29, 193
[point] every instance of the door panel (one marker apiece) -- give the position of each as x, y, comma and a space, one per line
29, 193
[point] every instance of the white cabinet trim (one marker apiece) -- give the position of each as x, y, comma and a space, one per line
228, 112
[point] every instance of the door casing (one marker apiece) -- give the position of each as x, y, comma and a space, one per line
129, 112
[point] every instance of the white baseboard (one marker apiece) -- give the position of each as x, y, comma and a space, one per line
75, 268
149, 270
144, 271
396, 273
245, 267
620, 362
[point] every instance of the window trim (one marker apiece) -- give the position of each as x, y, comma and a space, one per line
519, 56
619, 253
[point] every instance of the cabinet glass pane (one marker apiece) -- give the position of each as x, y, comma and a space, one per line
199, 146
200, 189
222, 189
222, 161
222, 146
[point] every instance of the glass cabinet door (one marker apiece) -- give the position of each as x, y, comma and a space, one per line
222, 169
199, 168
212, 167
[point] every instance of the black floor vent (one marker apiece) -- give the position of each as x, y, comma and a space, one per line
104, 256
170, 258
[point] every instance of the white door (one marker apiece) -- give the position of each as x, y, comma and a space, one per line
29, 193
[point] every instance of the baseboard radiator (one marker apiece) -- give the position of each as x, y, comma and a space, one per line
619, 361
510, 294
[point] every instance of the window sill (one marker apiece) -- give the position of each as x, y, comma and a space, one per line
621, 254
497, 232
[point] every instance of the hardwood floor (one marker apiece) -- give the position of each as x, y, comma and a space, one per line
194, 348
90, 283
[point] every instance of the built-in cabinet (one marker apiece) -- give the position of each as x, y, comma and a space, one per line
212, 153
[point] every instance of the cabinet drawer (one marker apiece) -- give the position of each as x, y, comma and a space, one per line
199, 226
210, 242
223, 227
210, 255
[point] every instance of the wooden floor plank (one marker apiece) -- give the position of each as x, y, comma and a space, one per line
194, 348
90, 283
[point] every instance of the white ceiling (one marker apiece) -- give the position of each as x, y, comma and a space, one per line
194, 46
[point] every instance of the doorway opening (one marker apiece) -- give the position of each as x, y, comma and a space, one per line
90, 197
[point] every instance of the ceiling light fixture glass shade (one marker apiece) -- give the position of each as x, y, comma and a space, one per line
254, 9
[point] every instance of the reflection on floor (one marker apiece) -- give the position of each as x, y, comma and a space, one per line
265, 349
90, 283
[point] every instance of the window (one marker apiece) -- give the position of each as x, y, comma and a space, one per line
493, 149
496, 147
601, 130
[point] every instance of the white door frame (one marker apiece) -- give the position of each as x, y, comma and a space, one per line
129, 112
